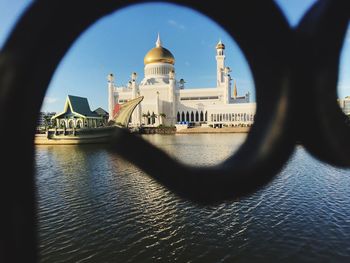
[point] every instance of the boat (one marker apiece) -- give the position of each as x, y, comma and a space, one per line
88, 135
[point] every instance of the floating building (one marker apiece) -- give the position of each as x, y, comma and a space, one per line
77, 114
167, 101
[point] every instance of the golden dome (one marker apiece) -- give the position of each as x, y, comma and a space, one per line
159, 54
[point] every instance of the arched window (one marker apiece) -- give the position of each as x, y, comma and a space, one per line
79, 124
197, 116
205, 117
71, 124
192, 116
187, 116
63, 124
178, 117
201, 116
183, 117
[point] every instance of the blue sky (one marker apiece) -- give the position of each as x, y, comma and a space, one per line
108, 48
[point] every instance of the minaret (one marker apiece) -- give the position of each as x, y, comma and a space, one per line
157, 108
136, 116
111, 102
172, 96
235, 91
220, 63
133, 85
227, 85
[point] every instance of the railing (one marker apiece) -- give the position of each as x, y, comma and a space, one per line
295, 73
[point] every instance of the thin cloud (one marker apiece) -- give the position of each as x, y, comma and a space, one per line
176, 24
50, 100
343, 89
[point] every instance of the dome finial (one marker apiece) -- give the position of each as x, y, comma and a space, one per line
220, 45
159, 42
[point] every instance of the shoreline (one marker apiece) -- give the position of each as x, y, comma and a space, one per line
42, 139
214, 130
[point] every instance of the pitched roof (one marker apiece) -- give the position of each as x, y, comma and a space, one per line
77, 105
81, 105
101, 111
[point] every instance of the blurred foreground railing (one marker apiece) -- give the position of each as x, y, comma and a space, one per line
295, 73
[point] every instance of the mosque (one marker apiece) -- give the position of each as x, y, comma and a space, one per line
167, 101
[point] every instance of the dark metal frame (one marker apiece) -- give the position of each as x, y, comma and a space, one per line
295, 74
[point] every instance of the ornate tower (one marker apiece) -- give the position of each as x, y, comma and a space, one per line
235, 90
136, 116
227, 85
111, 99
172, 96
220, 63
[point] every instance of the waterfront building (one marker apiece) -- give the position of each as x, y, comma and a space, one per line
104, 114
344, 104
77, 114
167, 101
44, 119
44, 122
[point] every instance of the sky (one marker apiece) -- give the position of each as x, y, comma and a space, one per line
106, 47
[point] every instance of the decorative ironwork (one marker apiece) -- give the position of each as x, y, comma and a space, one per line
295, 73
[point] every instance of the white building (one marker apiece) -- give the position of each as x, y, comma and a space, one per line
166, 100
345, 105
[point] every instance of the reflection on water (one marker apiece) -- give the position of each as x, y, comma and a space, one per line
95, 207
188, 148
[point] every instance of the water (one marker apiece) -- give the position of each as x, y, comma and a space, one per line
95, 207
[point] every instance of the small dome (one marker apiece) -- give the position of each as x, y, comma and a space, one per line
159, 54
220, 45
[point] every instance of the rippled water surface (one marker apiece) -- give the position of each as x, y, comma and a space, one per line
95, 207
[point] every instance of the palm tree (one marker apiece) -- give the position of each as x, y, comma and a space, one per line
153, 118
162, 116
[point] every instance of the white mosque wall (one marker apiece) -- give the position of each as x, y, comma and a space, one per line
158, 70
219, 114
